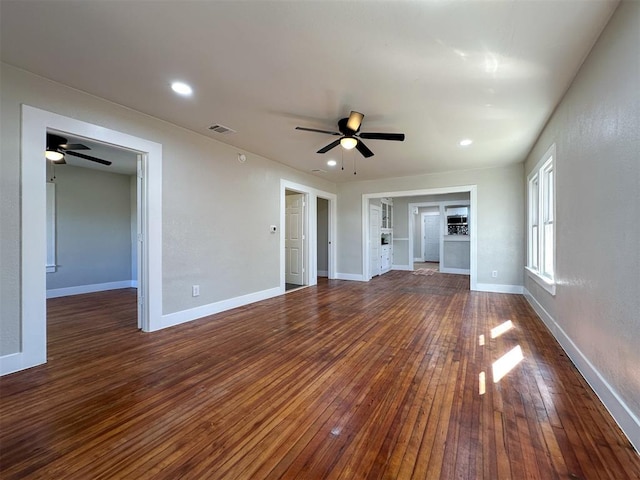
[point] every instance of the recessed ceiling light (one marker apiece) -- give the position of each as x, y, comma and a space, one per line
332, 163
181, 88
466, 142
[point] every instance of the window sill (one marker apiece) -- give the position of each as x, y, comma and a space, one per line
545, 283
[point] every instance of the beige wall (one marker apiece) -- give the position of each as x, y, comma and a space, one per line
216, 211
596, 129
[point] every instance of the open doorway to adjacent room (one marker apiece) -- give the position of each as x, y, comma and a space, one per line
307, 236
421, 230
35, 221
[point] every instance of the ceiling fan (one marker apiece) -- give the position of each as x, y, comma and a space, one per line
350, 138
57, 148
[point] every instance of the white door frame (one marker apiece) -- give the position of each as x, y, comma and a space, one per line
473, 237
373, 241
33, 321
310, 228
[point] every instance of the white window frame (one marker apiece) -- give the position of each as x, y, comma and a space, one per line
541, 244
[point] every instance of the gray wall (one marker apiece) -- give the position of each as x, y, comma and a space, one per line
216, 211
500, 223
596, 130
93, 228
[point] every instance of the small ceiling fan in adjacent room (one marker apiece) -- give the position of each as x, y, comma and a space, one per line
349, 129
57, 148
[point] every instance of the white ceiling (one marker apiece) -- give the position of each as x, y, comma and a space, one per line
439, 71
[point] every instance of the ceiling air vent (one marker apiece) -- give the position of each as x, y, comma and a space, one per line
221, 129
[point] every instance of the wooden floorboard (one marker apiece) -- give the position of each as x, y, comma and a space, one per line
344, 380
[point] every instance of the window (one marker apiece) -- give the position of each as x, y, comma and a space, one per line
541, 215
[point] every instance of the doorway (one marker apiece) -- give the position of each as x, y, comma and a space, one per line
408, 255
35, 123
322, 234
375, 217
311, 242
94, 220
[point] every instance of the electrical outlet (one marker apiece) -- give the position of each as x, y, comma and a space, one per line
494, 274
195, 290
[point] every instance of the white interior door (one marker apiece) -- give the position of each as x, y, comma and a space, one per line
375, 216
431, 250
294, 239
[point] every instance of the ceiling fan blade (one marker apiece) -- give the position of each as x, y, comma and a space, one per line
59, 162
329, 147
87, 157
363, 149
399, 137
318, 131
355, 120
73, 146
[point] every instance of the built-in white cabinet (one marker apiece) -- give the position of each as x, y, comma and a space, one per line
385, 258
387, 213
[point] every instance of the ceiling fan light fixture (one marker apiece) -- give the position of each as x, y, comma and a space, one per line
348, 143
53, 155
354, 121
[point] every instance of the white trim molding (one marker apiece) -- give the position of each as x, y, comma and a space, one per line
183, 316
97, 287
408, 268
355, 277
621, 413
499, 288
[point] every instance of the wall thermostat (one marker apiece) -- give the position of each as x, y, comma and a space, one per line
273, 229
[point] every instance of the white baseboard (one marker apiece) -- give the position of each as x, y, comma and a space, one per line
357, 277
402, 267
11, 363
183, 316
418, 259
323, 273
499, 288
621, 413
457, 271
97, 287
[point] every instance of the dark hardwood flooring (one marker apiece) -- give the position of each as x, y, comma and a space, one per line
343, 380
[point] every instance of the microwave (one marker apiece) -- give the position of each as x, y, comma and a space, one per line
456, 220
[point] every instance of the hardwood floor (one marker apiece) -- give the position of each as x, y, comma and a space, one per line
343, 380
